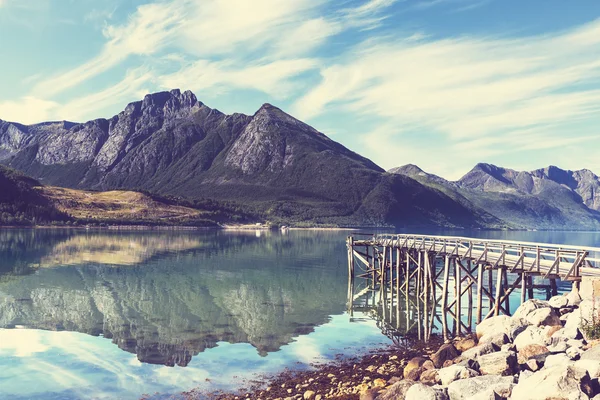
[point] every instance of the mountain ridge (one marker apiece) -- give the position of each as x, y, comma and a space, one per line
280, 168
543, 198
277, 168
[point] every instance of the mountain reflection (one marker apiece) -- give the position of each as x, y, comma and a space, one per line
167, 296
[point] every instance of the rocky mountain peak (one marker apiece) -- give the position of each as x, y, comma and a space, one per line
408, 169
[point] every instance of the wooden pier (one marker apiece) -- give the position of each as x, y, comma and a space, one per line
457, 280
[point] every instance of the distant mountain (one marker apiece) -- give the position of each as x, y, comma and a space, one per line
544, 199
273, 164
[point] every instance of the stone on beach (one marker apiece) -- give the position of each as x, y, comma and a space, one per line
430, 377
528, 307
557, 382
455, 372
477, 351
465, 344
543, 316
446, 352
499, 363
532, 335
424, 392
559, 301
533, 351
397, 391
497, 339
465, 388
413, 365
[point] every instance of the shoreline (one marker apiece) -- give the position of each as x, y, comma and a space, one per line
541, 352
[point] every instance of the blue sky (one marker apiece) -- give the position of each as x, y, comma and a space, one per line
440, 83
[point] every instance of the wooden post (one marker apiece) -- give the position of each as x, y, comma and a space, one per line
523, 286
419, 270
498, 291
505, 280
445, 295
479, 292
470, 298
530, 284
457, 296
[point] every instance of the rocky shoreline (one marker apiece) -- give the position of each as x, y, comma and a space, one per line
540, 352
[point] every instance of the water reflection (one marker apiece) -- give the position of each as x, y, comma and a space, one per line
168, 296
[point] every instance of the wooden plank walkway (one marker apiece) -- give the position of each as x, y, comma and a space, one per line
463, 275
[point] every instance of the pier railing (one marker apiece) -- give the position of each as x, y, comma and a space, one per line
444, 272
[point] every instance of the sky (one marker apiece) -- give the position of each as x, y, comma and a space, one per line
444, 84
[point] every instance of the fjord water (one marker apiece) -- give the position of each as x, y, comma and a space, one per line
107, 314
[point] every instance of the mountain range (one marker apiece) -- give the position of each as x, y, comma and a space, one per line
284, 171
546, 198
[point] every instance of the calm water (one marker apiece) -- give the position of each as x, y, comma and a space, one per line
98, 314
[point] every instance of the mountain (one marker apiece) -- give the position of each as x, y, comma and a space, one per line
276, 166
546, 198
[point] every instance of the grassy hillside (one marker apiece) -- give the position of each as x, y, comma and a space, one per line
24, 201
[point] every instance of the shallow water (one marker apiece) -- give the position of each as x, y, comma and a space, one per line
100, 314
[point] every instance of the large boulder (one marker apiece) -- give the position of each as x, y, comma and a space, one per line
497, 339
500, 363
492, 325
532, 335
414, 364
430, 377
532, 351
528, 307
592, 354
424, 392
559, 301
557, 382
465, 388
477, 351
446, 352
573, 297
543, 317
397, 391
591, 366
455, 372
556, 359
465, 344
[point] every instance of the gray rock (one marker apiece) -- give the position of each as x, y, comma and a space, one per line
500, 363
424, 392
508, 347
557, 359
531, 335
544, 316
493, 325
559, 347
455, 372
466, 388
591, 366
557, 382
477, 351
497, 339
592, 354
573, 353
559, 301
528, 307
397, 391
573, 297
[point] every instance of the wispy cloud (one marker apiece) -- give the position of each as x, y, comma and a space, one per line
466, 87
147, 31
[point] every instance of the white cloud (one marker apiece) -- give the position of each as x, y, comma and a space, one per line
273, 78
151, 28
132, 87
461, 88
27, 110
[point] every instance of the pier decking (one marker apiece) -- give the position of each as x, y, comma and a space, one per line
466, 278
